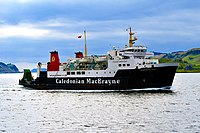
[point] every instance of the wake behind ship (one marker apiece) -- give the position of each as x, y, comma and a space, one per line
120, 69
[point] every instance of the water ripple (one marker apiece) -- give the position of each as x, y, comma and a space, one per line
23, 110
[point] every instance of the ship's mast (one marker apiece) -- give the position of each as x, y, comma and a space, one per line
85, 46
131, 39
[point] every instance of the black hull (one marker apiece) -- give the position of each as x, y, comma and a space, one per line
155, 77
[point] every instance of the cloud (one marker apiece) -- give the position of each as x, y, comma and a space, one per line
58, 29
15, 11
43, 30
22, 30
75, 2
24, 1
175, 25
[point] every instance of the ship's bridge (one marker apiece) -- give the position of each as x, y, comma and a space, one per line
135, 49
136, 52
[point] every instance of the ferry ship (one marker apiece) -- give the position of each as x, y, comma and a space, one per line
130, 68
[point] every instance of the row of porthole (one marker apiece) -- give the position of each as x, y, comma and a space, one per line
120, 65
82, 73
104, 72
78, 73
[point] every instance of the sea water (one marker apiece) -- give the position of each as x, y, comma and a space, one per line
26, 111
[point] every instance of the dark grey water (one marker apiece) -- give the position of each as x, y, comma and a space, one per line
23, 110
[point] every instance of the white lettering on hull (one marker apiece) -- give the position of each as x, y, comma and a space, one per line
88, 81
69, 81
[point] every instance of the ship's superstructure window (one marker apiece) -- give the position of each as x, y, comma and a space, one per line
124, 64
134, 50
78, 73
83, 72
119, 65
72, 73
128, 64
139, 57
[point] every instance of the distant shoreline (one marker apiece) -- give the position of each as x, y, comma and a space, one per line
188, 71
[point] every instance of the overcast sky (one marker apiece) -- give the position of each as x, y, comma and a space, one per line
30, 29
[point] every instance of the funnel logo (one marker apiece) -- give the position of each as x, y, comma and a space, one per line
53, 59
